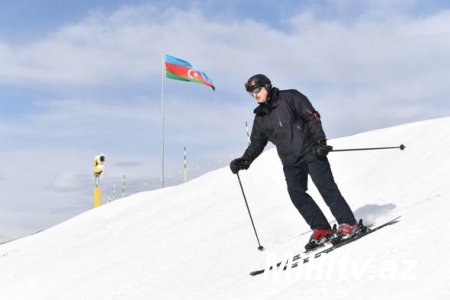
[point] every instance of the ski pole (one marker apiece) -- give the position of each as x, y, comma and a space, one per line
401, 147
260, 248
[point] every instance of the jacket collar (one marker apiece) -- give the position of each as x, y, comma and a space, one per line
273, 100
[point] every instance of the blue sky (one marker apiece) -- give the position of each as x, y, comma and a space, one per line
84, 78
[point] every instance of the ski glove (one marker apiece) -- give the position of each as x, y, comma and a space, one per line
321, 149
239, 164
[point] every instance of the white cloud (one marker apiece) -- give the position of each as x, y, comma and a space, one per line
126, 47
103, 75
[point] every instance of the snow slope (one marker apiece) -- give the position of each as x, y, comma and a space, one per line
195, 241
4, 239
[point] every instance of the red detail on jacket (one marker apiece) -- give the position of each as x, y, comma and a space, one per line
315, 114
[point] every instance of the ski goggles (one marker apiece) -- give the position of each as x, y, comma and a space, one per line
255, 91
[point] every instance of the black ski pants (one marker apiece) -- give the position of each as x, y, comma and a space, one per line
321, 175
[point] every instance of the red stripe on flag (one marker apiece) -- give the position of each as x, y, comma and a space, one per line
178, 70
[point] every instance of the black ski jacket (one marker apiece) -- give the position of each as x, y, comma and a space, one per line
290, 122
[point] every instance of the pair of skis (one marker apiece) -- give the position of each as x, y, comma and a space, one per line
329, 247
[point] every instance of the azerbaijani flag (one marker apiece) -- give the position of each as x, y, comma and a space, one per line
179, 69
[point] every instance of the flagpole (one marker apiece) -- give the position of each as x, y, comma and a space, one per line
162, 118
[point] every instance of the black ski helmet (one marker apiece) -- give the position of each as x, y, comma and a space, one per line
258, 80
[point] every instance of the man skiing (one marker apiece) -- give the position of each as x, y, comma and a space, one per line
287, 119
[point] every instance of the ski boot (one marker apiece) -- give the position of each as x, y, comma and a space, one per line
318, 238
348, 230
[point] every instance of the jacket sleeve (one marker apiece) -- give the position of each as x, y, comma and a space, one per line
307, 112
258, 142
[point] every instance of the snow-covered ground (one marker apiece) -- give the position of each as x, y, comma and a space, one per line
4, 239
195, 241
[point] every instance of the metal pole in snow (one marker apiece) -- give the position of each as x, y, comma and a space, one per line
248, 136
185, 165
123, 186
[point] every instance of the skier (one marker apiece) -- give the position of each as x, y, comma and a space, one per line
287, 119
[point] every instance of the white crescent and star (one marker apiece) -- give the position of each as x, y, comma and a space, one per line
192, 73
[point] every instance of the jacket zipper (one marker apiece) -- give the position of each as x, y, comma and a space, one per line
279, 121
